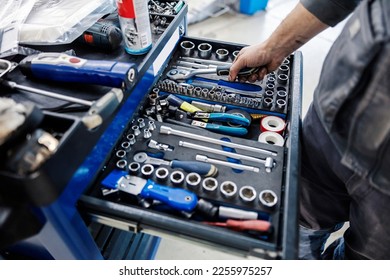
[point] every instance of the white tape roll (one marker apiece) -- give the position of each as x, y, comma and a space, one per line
272, 123
272, 138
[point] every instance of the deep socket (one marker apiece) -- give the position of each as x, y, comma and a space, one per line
141, 123
136, 130
283, 69
281, 94
280, 103
151, 125
228, 189
268, 102
210, 184
147, 133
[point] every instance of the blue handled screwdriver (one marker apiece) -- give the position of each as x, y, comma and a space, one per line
62, 67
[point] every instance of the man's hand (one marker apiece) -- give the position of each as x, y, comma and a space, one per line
294, 31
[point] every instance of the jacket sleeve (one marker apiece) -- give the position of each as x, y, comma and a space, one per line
330, 12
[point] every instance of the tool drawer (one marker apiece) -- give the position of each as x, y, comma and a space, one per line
206, 159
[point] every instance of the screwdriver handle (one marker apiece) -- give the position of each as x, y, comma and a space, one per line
254, 225
202, 168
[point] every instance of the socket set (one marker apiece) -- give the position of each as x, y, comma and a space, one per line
193, 73
204, 153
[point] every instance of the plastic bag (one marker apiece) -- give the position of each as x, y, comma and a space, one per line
56, 22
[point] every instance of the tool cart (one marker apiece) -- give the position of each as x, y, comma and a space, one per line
178, 152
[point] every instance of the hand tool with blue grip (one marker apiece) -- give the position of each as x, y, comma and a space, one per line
228, 130
201, 168
66, 68
222, 117
178, 199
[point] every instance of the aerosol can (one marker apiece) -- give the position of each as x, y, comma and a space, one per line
135, 25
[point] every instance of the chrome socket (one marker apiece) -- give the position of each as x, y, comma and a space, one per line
131, 138
270, 86
134, 167
282, 79
187, 48
280, 103
210, 184
204, 50
281, 94
269, 93
268, 102
228, 189
283, 69
268, 198
235, 54
162, 174
141, 123
147, 133
151, 125
177, 177
121, 164
193, 180
120, 153
222, 54
247, 193
147, 170
126, 146
136, 130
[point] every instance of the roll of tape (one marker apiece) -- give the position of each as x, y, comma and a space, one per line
272, 123
272, 138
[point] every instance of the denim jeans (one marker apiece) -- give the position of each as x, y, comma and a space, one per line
332, 194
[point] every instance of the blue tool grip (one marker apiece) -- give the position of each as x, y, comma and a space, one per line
202, 168
179, 199
234, 131
224, 117
64, 68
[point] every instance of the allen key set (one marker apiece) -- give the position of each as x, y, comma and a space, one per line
204, 149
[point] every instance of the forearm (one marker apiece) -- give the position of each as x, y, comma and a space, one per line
294, 31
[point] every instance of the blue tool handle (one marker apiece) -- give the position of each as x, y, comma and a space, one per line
228, 130
179, 199
65, 68
225, 117
202, 168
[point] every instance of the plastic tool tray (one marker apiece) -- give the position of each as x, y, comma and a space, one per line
163, 129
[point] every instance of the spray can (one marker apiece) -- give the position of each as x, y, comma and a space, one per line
135, 25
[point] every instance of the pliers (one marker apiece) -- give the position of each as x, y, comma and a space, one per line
222, 117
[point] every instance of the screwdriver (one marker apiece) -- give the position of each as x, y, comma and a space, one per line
246, 225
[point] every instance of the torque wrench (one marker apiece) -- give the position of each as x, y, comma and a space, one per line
168, 130
225, 163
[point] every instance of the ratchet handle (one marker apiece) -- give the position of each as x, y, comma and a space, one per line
178, 199
247, 71
202, 168
65, 68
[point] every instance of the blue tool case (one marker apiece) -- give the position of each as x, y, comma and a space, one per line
231, 148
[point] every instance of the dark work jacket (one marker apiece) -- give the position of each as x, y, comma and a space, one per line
352, 98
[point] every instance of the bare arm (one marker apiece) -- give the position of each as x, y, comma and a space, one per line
294, 31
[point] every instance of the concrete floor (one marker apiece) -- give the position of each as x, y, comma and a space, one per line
239, 28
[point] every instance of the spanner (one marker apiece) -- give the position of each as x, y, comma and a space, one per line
201, 168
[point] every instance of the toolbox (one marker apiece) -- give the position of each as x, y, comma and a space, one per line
186, 155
